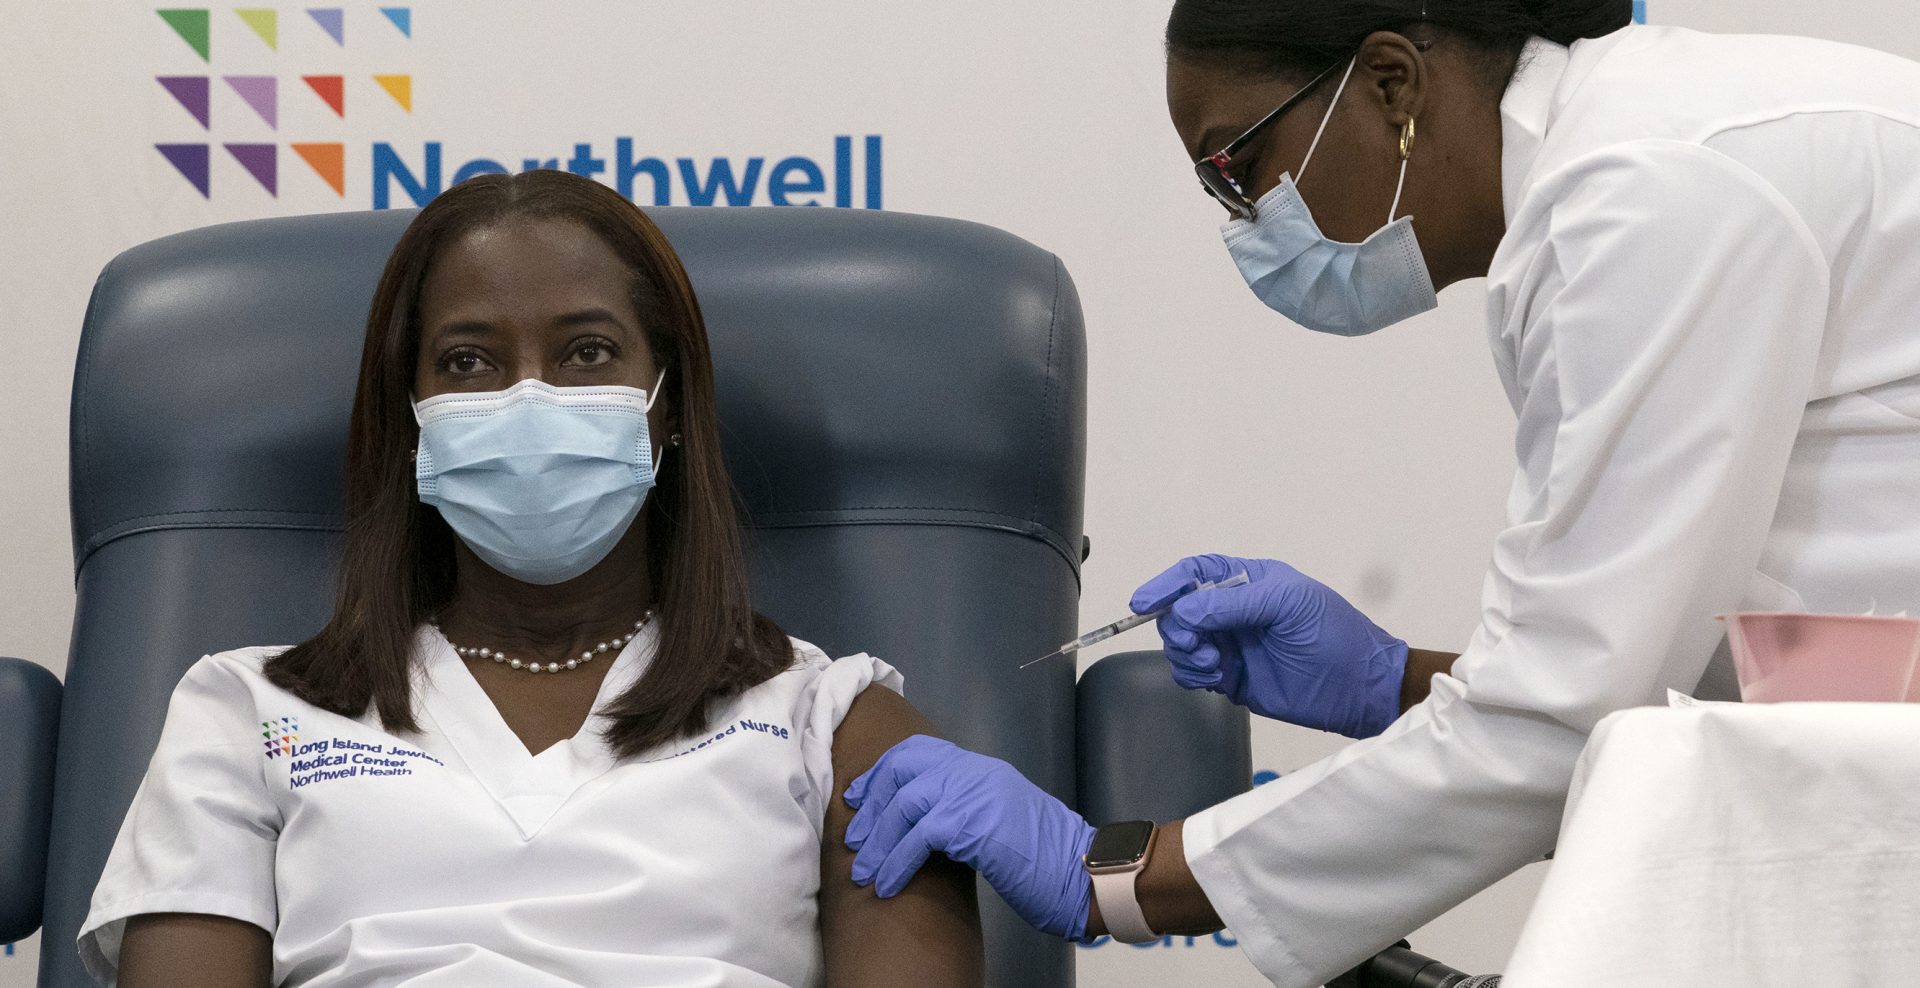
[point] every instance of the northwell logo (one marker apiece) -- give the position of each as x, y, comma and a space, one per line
261, 93
796, 180
281, 736
400, 176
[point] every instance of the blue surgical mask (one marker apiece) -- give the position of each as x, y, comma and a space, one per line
540, 482
1323, 284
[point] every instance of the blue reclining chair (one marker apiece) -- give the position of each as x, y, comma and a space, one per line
903, 401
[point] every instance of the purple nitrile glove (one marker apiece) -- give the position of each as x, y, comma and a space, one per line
926, 795
1283, 645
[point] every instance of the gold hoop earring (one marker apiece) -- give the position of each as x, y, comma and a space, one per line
1406, 140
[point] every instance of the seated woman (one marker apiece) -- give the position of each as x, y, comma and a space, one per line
545, 739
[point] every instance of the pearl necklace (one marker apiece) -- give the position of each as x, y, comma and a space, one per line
612, 645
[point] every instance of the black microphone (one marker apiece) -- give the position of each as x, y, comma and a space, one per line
1398, 967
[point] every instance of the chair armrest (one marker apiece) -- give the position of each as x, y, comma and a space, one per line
1150, 750
29, 725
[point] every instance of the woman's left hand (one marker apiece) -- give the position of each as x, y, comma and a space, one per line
926, 795
1284, 645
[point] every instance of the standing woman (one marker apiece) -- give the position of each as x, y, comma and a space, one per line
1703, 274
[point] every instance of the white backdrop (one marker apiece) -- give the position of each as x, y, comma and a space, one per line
1378, 465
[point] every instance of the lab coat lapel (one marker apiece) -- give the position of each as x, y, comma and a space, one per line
529, 788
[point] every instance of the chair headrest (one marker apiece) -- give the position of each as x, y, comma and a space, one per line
873, 368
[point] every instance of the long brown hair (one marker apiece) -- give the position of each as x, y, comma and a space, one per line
397, 564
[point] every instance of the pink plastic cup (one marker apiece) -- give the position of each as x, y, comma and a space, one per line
1781, 657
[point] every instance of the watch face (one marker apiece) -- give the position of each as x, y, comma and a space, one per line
1119, 844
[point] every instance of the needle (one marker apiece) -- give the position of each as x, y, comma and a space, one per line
1160, 609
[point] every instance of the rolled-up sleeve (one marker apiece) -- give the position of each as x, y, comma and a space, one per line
201, 833
1659, 344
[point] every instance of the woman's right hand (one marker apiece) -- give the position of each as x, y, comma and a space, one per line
1282, 645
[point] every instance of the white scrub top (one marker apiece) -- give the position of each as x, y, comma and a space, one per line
453, 857
1706, 313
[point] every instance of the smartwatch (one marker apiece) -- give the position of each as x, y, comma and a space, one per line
1118, 855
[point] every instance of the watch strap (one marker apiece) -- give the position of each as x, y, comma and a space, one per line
1120, 906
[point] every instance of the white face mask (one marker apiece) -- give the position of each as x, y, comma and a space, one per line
1323, 284
540, 482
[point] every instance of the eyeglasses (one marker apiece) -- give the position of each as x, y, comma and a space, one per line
1213, 170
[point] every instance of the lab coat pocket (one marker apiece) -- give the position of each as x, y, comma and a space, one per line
1902, 398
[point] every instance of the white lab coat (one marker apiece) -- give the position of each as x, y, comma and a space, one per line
455, 857
1706, 313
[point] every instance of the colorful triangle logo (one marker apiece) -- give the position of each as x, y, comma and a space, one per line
192, 91
190, 160
260, 161
193, 25
331, 89
262, 92
332, 20
328, 160
400, 87
265, 22
402, 18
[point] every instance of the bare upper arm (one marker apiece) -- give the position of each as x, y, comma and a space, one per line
933, 927
160, 950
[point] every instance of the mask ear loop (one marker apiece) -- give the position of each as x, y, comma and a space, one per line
1302, 173
652, 397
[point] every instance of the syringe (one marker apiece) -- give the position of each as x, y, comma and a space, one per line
1159, 609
